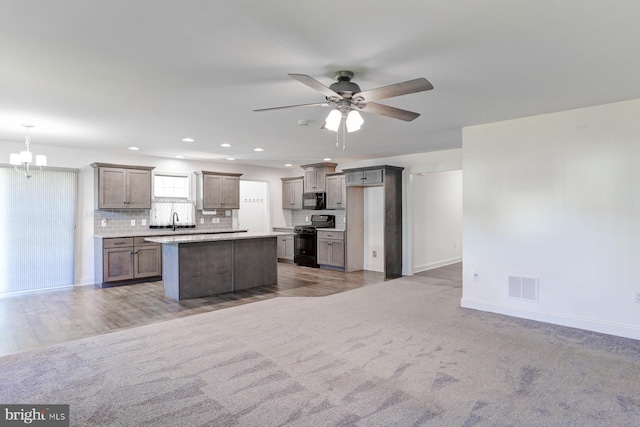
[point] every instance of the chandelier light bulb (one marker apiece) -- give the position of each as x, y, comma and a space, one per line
354, 121
333, 120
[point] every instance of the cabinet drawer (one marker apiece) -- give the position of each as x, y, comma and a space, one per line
117, 243
325, 234
139, 241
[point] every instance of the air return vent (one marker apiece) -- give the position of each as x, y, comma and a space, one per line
523, 288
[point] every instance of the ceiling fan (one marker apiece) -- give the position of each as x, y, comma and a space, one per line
346, 100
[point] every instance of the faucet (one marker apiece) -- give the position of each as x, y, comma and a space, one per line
174, 219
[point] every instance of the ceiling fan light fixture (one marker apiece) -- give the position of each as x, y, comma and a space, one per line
333, 120
354, 121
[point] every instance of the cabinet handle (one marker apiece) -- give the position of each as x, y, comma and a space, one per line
119, 243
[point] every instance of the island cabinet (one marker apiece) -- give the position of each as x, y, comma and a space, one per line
358, 182
122, 187
127, 260
203, 265
292, 189
315, 176
331, 249
217, 190
336, 191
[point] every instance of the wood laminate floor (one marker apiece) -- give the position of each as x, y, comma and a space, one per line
49, 317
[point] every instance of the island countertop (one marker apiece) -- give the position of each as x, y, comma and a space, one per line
195, 238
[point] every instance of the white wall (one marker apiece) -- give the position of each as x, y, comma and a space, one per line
437, 219
556, 197
373, 229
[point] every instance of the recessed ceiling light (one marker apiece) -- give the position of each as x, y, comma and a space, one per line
230, 158
327, 159
258, 149
133, 148
188, 139
303, 122
225, 145
179, 157
288, 165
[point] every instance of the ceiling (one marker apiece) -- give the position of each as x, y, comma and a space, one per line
112, 74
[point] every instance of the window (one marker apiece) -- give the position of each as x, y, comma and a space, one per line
171, 186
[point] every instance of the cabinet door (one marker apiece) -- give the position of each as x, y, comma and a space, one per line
287, 195
336, 192
310, 181
112, 188
148, 261
118, 264
297, 193
230, 192
354, 178
337, 253
211, 192
324, 252
139, 189
288, 247
281, 247
321, 175
372, 177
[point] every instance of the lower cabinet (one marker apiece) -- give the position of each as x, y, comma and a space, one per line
127, 260
331, 248
285, 248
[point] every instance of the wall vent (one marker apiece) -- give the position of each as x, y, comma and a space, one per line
523, 288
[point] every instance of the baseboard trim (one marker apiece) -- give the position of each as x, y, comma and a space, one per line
432, 265
604, 327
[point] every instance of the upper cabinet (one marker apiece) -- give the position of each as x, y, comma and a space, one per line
292, 189
373, 176
218, 190
336, 191
314, 176
122, 187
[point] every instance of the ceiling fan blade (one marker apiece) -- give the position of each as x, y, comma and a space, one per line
404, 88
315, 104
314, 84
393, 112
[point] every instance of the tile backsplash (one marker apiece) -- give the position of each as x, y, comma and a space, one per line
118, 221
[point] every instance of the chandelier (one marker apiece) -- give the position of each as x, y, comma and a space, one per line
23, 162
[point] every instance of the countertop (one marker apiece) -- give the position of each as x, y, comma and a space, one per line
166, 232
213, 237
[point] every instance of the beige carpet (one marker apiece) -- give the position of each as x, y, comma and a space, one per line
399, 353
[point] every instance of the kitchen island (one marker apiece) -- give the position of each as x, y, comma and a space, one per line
201, 265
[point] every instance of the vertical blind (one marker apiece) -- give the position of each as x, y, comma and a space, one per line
37, 229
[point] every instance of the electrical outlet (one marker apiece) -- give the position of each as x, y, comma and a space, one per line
636, 298
133, 222
103, 223
476, 276
213, 220
201, 220
375, 254
144, 222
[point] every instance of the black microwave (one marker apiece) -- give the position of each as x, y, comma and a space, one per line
313, 201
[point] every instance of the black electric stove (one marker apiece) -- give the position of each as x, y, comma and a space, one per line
306, 241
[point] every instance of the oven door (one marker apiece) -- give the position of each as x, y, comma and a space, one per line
305, 249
